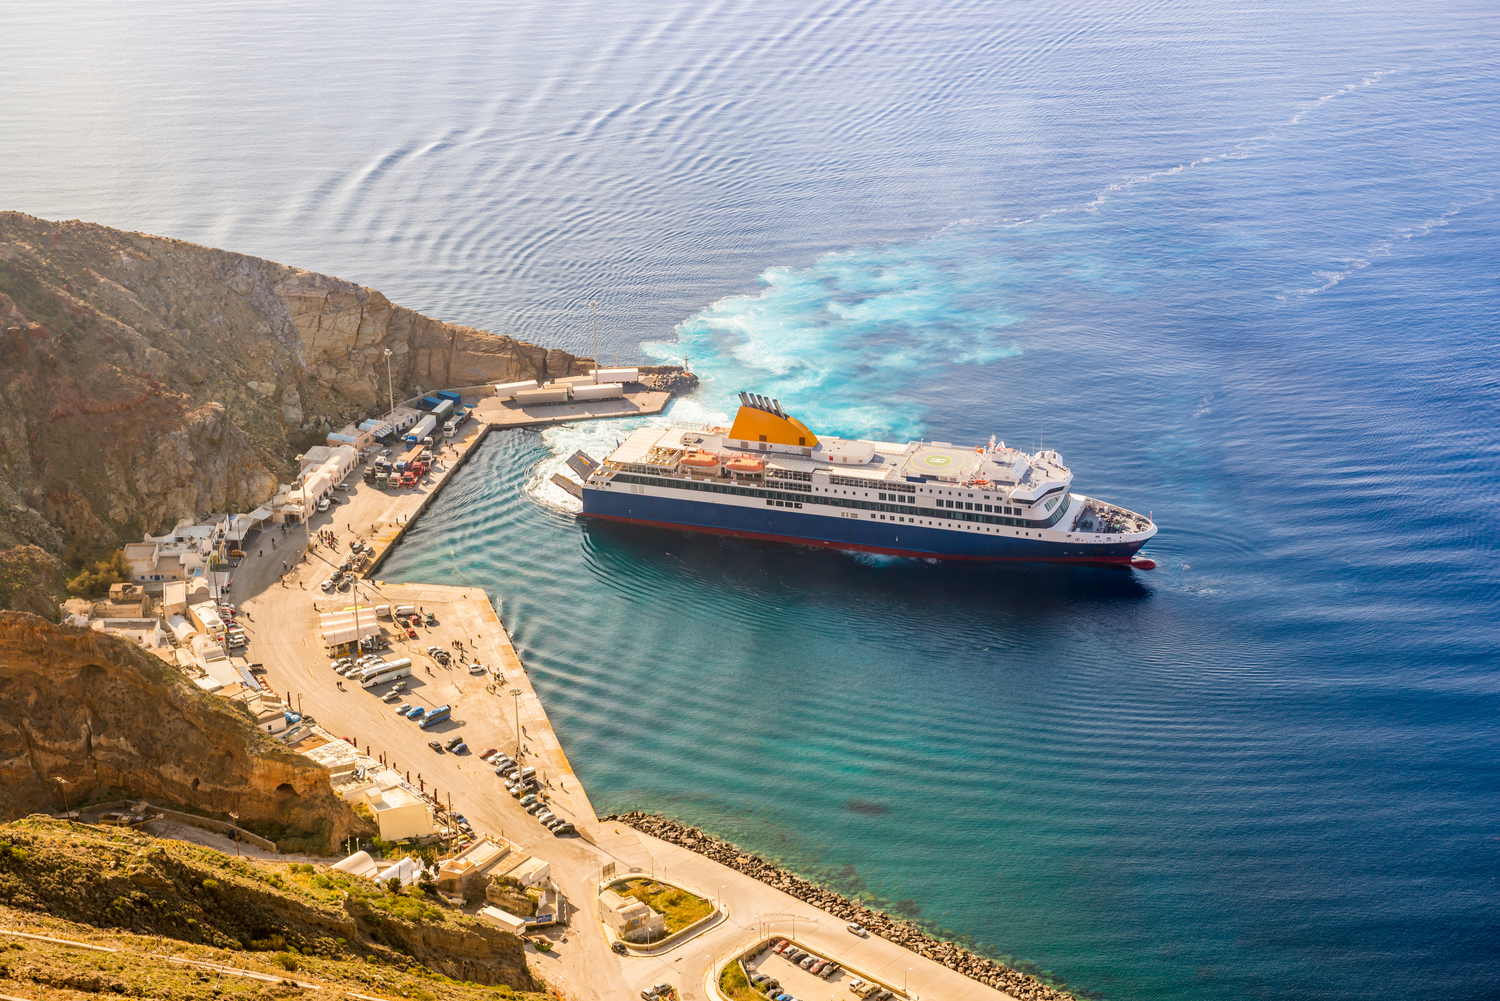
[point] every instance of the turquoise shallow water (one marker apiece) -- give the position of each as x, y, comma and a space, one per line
1236, 263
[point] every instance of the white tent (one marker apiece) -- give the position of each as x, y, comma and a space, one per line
358, 864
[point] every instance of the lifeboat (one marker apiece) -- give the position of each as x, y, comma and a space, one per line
746, 464
700, 460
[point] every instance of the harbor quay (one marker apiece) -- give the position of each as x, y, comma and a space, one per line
496, 705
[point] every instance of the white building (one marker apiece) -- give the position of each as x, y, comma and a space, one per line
629, 919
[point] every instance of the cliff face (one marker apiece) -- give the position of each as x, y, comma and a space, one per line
103, 715
143, 380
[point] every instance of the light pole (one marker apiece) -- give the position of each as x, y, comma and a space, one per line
515, 695
389, 387
594, 316
236, 826
653, 864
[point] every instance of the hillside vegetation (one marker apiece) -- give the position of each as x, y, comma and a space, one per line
149, 898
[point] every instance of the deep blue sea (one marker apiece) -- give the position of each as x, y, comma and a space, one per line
1239, 263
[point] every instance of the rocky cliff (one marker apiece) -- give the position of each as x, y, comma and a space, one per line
104, 716
144, 380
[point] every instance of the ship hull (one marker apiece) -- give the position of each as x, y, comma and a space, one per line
856, 535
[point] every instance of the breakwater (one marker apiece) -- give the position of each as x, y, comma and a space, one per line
903, 933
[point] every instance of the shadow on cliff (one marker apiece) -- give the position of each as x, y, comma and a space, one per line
87, 715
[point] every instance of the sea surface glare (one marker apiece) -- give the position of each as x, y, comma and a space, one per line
1239, 263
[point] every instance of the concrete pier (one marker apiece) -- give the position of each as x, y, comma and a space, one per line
281, 619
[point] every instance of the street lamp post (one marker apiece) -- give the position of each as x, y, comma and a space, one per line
515, 697
389, 387
594, 316
236, 826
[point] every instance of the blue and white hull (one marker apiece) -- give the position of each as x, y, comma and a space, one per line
860, 531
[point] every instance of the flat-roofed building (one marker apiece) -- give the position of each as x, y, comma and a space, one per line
398, 813
630, 919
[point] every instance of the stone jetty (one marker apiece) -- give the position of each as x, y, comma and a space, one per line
986, 971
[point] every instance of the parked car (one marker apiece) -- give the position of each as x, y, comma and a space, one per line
758, 978
460, 748
398, 687
544, 815
416, 711
334, 665
564, 828
323, 505
405, 708
780, 944
816, 968
237, 553
391, 696
829, 970
435, 746
807, 962
855, 928
487, 753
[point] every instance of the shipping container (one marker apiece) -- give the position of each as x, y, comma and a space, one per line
508, 390
551, 394
423, 429
428, 402
602, 375
606, 391
449, 394
443, 411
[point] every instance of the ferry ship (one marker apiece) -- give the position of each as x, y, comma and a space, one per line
769, 477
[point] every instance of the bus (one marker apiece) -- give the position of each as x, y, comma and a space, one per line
435, 716
379, 674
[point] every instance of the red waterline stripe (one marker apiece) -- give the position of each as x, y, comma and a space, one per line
856, 547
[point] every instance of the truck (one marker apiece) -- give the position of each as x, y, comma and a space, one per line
443, 411
379, 674
603, 391
423, 429
547, 394
435, 716
382, 481
449, 428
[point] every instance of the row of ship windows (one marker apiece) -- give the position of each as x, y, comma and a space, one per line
986, 508
953, 515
